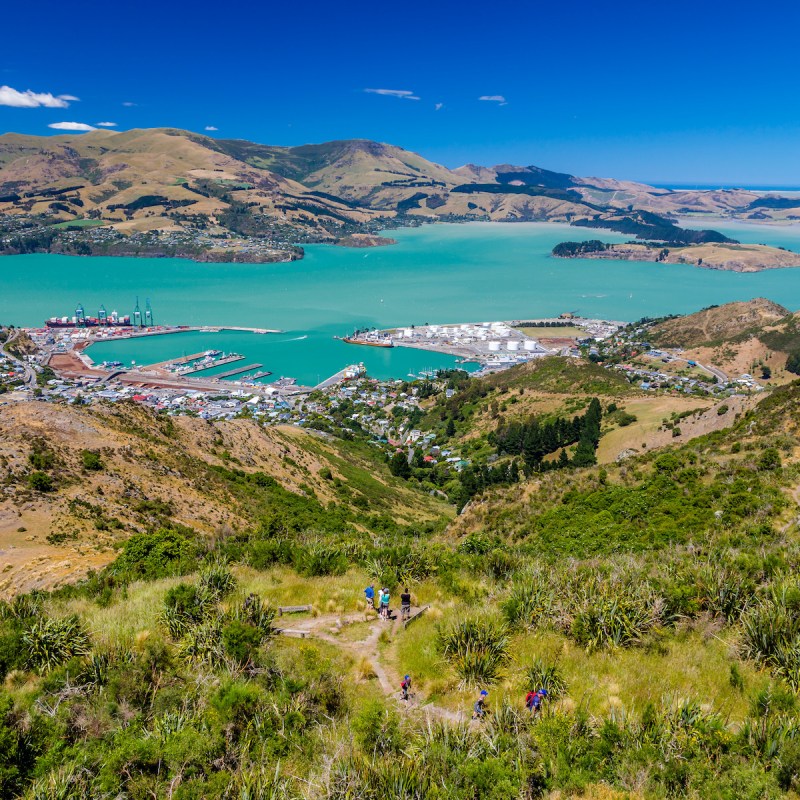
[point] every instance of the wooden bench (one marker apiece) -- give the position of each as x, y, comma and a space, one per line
418, 613
292, 609
288, 632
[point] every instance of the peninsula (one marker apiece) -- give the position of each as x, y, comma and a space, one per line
729, 256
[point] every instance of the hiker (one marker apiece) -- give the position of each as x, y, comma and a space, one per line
479, 709
405, 685
405, 604
383, 602
533, 700
387, 612
369, 593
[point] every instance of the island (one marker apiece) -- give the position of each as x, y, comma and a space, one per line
365, 240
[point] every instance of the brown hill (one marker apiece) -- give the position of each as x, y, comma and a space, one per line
201, 190
717, 323
158, 472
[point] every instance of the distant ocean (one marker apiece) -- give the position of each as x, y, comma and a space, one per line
717, 186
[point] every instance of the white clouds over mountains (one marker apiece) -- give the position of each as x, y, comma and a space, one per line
28, 99
71, 126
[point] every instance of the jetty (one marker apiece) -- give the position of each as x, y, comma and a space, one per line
238, 371
219, 362
176, 361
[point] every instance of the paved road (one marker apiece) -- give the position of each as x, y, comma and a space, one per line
720, 375
29, 376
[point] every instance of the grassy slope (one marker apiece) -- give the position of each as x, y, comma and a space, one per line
649, 522
56, 536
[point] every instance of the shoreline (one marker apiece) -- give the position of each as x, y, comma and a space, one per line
368, 240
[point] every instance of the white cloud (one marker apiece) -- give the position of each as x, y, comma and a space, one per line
106, 124
494, 98
28, 99
128, 104
71, 126
402, 94
438, 107
70, 98
211, 128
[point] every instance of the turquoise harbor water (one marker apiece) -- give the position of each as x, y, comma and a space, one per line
436, 274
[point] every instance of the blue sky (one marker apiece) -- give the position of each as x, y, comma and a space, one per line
703, 92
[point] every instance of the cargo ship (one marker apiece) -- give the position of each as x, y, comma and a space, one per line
368, 338
368, 342
140, 319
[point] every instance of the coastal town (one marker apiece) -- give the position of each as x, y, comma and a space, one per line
51, 364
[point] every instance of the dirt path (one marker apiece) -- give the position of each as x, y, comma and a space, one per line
323, 627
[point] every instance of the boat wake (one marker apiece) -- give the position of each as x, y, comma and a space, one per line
297, 338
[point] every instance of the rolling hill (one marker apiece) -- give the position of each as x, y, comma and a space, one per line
174, 192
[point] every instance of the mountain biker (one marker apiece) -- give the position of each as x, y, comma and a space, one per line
405, 686
369, 593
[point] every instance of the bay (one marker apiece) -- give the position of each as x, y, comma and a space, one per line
440, 273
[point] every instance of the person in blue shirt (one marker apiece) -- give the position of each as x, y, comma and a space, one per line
369, 593
479, 709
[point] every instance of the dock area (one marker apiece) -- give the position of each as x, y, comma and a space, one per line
220, 362
238, 370
349, 372
177, 361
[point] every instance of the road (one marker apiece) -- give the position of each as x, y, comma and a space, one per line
718, 373
29, 376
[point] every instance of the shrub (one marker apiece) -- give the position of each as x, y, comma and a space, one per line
377, 729
184, 606
541, 675
155, 555
91, 460
532, 599
51, 642
770, 459
609, 616
41, 482
771, 632
241, 640
477, 647
216, 580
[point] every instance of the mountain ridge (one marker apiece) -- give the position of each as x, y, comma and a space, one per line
198, 192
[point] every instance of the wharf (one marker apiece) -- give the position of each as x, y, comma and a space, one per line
238, 371
333, 380
176, 361
220, 362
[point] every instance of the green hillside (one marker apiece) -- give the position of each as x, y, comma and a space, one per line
656, 601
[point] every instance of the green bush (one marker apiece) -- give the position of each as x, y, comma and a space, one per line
49, 642
155, 555
91, 460
241, 641
477, 647
547, 676
41, 482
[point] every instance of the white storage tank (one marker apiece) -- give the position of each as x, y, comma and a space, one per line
530, 344
513, 344
494, 347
